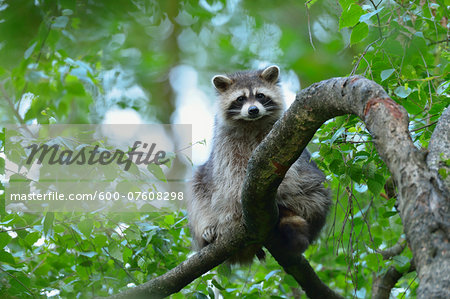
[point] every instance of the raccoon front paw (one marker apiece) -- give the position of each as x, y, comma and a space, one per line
209, 234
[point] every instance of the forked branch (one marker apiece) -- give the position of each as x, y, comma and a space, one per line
423, 201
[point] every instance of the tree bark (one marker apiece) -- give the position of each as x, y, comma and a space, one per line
423, 200
382, 284
439, 148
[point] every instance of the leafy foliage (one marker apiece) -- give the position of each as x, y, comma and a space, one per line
71, 62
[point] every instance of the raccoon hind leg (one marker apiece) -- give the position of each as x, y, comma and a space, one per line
294, 230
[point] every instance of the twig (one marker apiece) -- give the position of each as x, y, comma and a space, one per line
11, 104
378, 17
428, 75
362, 55
439, 41
309, 26
394, 250
426, 126
15, 278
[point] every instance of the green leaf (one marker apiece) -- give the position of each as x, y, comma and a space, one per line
350, 17
169, 219
127, 253
374, 186
217, 285
67, 12
224, 270
359, 33
29, 51
60, 22
365, 18
74, 86
411, 107
337, 134
199, 295
372, 260
337, 167
86, 226
443, 87
132, 234
290, 281
401, 263
88, 254
6, 257
355, 172
157, 171
116, 252
402, 91
142, 263
389, 214
386, 74
48, 223
100, 240
345, 4
443, 173
271, 273
31, 238
4, 239
394, 47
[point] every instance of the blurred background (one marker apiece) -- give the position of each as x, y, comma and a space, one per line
152, 61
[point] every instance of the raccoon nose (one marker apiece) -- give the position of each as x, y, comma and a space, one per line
253, 110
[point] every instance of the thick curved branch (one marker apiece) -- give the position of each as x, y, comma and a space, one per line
423, 205
183, 274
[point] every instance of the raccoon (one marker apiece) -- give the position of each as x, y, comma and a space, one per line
250, 102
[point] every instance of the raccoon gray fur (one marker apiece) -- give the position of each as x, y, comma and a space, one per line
250, 103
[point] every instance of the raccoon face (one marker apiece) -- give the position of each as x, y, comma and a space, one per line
250, 96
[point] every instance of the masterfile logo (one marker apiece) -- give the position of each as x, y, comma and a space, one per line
96, 167
93, 156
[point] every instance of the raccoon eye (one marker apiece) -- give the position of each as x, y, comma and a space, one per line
240, 99
260, 96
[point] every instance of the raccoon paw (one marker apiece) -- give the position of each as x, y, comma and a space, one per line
209, 234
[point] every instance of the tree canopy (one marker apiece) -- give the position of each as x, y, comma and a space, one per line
72, 62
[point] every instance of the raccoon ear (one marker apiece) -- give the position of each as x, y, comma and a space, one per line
270, 74
221, 83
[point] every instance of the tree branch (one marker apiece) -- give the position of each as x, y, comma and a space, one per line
296, 264
382, 284
183, 274
423, 205
394, 250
